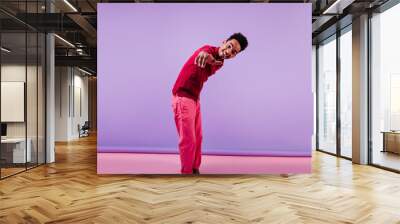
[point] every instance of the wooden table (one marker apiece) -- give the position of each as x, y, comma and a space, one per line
13, 150
391, 141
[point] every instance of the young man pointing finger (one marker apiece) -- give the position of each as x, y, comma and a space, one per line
186, 92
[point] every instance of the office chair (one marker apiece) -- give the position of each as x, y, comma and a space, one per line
84, 130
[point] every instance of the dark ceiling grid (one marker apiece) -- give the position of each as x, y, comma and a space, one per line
80, 27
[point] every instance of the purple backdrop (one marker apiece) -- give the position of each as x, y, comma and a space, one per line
259, 103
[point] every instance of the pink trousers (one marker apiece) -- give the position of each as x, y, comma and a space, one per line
188, 124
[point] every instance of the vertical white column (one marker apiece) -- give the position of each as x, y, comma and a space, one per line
360, 90
50, 92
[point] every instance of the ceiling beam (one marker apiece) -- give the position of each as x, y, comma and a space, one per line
86, 26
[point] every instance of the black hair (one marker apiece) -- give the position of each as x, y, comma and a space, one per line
241, 39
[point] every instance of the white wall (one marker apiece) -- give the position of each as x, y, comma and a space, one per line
9, 73
80, 102
16, 72
62, 81
71, 93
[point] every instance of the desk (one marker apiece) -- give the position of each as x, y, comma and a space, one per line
391, 141
15, 148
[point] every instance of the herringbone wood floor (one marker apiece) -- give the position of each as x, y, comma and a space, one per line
70, 191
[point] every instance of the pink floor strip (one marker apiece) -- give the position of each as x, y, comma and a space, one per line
138, 163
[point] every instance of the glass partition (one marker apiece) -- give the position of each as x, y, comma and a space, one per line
346, 93
22, 77
385, 89
327, 95
13, 105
